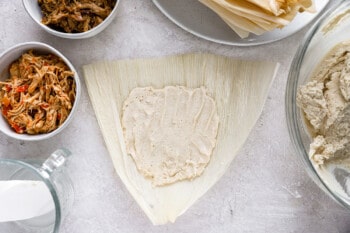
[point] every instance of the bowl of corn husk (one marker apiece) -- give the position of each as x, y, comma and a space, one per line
243, 22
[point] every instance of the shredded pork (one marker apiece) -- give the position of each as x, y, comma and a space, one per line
74, 16
39, 95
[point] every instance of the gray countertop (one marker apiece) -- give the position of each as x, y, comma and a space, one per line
266, 188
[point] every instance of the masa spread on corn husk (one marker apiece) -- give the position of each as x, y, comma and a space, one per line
170, 132
325, 102
238, 87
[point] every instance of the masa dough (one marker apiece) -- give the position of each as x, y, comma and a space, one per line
170, 132
325, 101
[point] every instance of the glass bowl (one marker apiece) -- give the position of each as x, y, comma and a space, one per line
328, 31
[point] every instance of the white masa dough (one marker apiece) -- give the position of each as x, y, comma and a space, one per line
170, 132
325, 101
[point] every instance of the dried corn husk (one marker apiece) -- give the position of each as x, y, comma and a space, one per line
239, 88
279, 7
258, 16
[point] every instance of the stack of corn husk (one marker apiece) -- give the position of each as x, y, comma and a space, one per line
258, 16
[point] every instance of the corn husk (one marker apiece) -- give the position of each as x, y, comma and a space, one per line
279, 7
239, 88
258, 16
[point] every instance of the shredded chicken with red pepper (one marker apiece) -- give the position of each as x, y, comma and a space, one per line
74, 16
39, 95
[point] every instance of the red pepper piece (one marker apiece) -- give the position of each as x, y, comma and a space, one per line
22, 88
17, 128
44, 105
8, 88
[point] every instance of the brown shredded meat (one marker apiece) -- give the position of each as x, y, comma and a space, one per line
39, 95
74, 16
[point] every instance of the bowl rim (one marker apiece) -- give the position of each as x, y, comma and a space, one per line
291, 110
80, 35
39, 45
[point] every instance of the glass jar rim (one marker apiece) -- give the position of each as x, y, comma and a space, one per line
45, 177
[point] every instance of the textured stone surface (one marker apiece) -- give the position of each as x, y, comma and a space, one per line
266, 188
